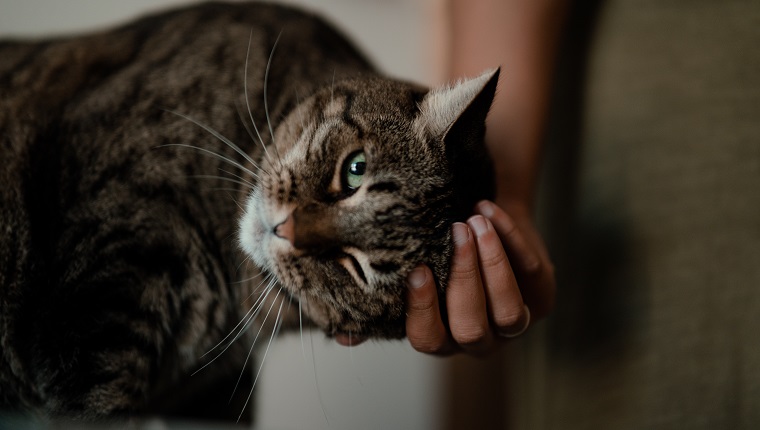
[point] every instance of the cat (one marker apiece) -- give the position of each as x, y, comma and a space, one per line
176, 187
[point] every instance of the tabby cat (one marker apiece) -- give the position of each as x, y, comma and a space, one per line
187, 182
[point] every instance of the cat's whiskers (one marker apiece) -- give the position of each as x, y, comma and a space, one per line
236, 202
247, 258
275, 331
213, 154
222, 178
228, 190
316, 382
244, 322
313, 360
249, 183
243, 281
253, 345
258, 306
268, 278
248, 104
221, 138
256, 140
300, 330
266, 105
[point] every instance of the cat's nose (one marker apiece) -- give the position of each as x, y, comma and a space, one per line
286, 230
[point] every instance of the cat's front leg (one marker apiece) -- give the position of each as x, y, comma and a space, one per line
128, 314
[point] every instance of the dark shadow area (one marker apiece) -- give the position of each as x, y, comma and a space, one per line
594, 314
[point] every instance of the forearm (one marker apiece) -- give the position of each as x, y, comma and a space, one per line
521, 36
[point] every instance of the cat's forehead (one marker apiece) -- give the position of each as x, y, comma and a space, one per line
370, 99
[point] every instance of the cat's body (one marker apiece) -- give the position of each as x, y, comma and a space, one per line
119, 255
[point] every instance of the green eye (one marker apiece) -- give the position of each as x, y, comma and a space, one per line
353, 171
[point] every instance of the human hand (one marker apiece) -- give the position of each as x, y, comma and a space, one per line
501, 275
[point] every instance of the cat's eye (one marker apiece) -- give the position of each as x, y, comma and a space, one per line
353, 170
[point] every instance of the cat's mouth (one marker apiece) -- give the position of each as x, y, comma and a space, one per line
342, 289
347, 257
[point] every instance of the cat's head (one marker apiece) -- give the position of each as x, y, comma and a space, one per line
362, 184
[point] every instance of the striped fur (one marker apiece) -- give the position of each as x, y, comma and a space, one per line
119, 255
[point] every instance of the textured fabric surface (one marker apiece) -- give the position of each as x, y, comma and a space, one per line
658, 318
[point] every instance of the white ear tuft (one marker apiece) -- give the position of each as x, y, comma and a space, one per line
442, 106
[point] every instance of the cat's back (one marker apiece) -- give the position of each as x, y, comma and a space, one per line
211, 37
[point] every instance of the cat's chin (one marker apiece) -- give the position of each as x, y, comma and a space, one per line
337, 324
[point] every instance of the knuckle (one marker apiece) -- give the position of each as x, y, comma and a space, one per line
470, 335
514, 323
493, 259
534, 267
424, 304
509, 319
464, 264
463, 273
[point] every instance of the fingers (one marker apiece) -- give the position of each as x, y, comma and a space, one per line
504, 301
525, 256
484, 294
465, 297
532, 265
424, 326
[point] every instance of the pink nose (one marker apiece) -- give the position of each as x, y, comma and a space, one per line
286, 229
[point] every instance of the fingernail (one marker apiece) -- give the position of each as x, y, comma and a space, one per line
478, 224
461, 233
417, 277
522, 329
485, 208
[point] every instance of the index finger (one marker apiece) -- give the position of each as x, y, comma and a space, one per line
504, 300
526, 258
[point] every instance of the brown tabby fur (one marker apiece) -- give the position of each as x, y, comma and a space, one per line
120, 257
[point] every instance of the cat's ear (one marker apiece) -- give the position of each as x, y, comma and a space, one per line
464, 104
456, 117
